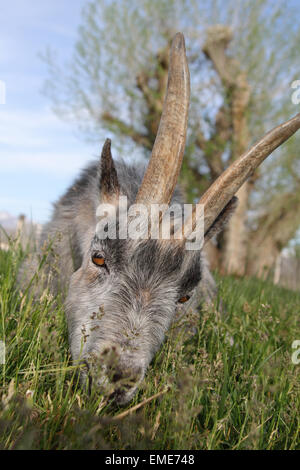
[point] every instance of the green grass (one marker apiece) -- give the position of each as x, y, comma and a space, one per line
232, 385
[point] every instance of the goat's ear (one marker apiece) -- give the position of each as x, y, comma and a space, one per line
108, 178
222, 219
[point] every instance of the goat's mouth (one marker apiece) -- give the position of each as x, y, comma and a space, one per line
120, 391
122, 396
117, 383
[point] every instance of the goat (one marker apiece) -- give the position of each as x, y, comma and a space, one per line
123, 294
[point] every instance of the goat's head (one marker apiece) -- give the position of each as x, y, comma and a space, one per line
125, 295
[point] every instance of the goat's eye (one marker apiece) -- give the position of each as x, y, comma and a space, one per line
98, 260
184, 299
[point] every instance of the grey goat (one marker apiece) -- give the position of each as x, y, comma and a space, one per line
123, 294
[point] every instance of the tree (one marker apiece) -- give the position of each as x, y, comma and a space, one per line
243, 59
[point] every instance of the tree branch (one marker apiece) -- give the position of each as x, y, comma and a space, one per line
125, 129
214, 147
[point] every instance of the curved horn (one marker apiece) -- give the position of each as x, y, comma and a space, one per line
162, 173
223, 189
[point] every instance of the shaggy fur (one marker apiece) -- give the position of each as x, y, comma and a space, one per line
118, 313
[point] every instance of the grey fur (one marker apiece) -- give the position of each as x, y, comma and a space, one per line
118, 314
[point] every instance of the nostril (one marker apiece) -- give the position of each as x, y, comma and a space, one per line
129, 375
117, 376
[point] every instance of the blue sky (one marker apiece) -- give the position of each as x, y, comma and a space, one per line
39, 154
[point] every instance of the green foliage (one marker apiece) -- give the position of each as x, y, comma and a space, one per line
117, 40
232, 385
98, 89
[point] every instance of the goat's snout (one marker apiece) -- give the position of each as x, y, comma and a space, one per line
125, 382
116, 374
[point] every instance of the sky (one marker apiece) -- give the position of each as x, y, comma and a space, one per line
39, 154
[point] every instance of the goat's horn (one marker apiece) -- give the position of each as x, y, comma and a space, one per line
162, 173
227, 184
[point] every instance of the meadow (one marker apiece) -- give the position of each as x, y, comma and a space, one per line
230, 385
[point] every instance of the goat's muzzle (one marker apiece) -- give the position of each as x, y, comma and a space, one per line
115, 374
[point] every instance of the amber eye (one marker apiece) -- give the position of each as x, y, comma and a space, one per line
98, 260
184, 299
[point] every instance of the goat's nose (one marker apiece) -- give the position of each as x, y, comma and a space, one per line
125, 382
129, 375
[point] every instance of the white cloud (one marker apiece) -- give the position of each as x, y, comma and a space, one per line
56, 163
39, 155
38, 140
25, 127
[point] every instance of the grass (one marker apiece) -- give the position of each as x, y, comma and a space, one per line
232, 385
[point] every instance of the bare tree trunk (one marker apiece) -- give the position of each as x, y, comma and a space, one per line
263, 257
237, 91
236, 237
277, 270
274, 229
